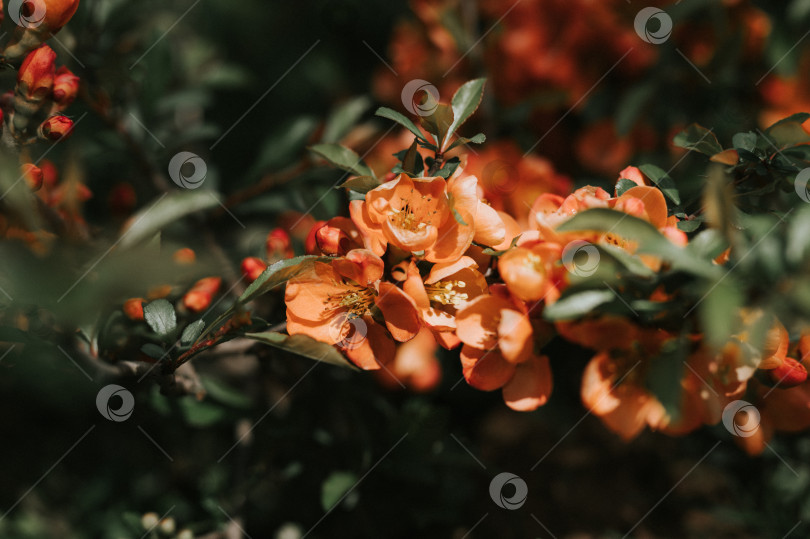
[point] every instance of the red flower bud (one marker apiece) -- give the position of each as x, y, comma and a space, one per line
199, 297
133, 308
122, 198
332, 240
789, 374
50, 175
56, 127
279, 244
36, 20
184, 256
252, 267
65, 87
32, 175
311, 243
36, 75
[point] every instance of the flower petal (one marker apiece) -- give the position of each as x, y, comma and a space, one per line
485, 370
531, 385
399, 310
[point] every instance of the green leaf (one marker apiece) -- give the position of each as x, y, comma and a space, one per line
480, 138
343, 158
279, 273
492, 252
164, 211
665, 374
448, 168
789, 131
718, 310
361, 184
707, 244
160, 316
302, 346
663, 181
623, 185
689, 226
465, 102
343, 118
649, 240
412, 162
577, 305
201, 413
225, 394
698, 138
439, 123
335, 487
152, 350
745, 141
192, 331
391, 114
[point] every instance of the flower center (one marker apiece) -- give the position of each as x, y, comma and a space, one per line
355, 301
413, 218
446, 293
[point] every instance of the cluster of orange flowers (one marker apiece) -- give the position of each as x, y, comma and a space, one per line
427, 262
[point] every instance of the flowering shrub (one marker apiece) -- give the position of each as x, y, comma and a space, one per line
532, 216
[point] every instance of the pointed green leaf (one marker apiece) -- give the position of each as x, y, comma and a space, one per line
303, 346
623, 185
165, 210
577, 304
663, 181
191, 332
361, 184
279, 273
466, 101
480, 138
343, 158
698, 138
439, 123
391, 114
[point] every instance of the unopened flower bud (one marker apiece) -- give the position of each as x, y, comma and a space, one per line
278, 244
37, 21
33, 176
122, 199
789, 374
311, 243
133, 308
50, 174
184, 256
65, 87
332, 240
252, 267
36, 75
199, 297
56, 127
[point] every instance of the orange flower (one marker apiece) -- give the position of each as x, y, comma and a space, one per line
610, 393
334, 302
525, 386
338, 236
414, 366
531, 272
413, 214
447, 288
